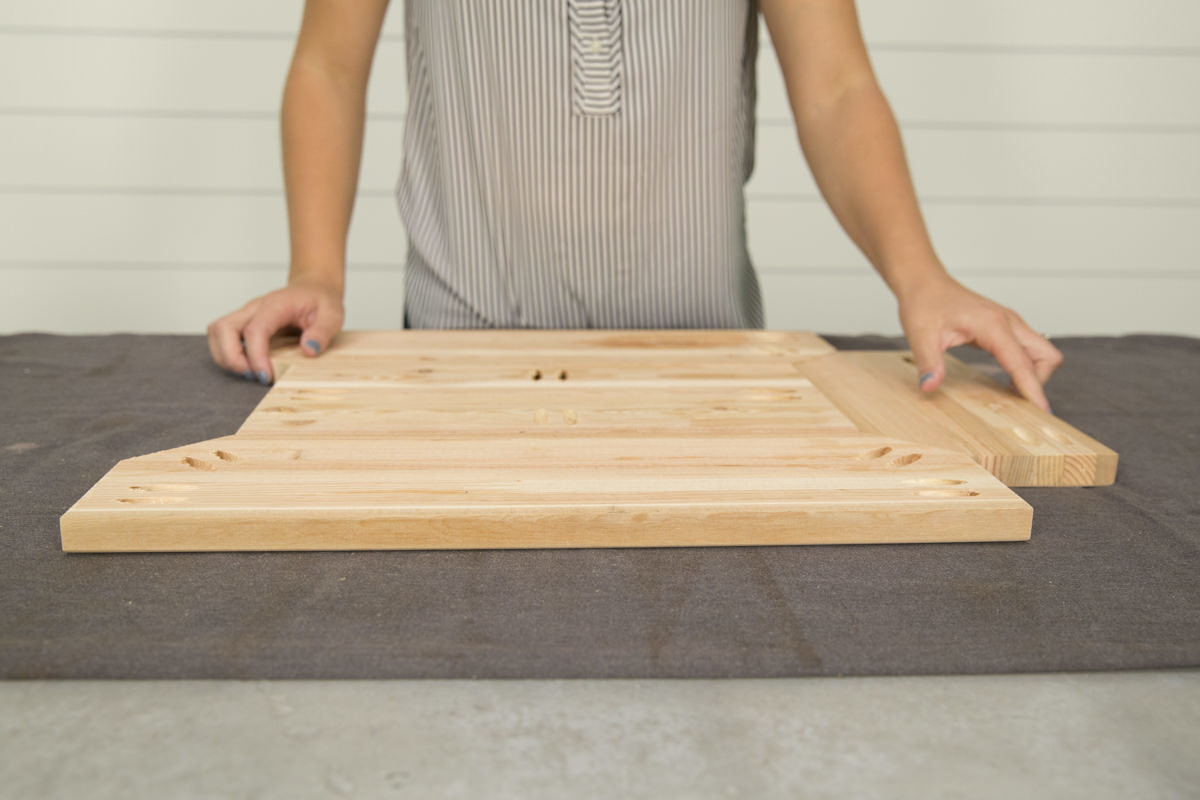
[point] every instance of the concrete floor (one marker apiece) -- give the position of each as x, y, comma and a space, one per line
1096, 735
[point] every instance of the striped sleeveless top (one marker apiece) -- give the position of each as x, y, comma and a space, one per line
579, 163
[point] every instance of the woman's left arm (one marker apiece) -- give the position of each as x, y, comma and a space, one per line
852, 143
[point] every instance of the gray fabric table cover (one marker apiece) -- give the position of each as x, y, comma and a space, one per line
1109, 581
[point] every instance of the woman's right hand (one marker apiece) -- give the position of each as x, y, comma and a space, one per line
240, 342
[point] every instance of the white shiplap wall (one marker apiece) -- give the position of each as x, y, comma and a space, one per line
1055, 145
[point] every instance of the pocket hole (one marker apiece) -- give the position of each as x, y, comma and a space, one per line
163, 487
196, 463
225, 455
1056, 436
1025, 435
935, 482
878, 452
904, 461
947, 493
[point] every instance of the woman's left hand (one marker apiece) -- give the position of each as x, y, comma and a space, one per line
942, 313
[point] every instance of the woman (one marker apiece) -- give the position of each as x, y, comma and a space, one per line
580, 163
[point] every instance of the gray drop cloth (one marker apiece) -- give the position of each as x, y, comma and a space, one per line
1110, 580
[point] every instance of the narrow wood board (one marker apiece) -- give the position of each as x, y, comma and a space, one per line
1007, 435
469, 439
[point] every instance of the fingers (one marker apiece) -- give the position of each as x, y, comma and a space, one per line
271, 316
225, 341
241, 341
1046, 357
928, 352
1000, 340
320, 328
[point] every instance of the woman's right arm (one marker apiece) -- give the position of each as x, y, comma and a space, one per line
324, 106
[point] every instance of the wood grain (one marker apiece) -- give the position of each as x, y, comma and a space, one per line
1009, 436
517, 439
242, 493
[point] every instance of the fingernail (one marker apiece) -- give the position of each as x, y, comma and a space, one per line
247, 374
926, 377
314, 345
263, 379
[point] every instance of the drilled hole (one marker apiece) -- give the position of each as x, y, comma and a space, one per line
536, 375
562, 374
1056, 436
910, 360
1025, 435
163, 487
905, 460
196, 463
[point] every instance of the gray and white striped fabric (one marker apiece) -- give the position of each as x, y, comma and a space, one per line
579, 163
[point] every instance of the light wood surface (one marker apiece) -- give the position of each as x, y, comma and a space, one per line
1009, 436
514, 439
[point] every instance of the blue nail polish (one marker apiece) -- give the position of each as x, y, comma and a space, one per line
314, 345
926, 377
263, 379
248, 375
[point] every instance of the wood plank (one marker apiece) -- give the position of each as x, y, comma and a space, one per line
444, 439
1063, 23
242, 155
202, 76
1009, 436
1031, 88
241, 493
190, 228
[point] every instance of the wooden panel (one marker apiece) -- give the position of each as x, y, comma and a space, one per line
176, 74
153, 16
1122, 24
199, 155
167, 229
1084, 240
222, 76
1014, 165
1009, 436
235, 494
182, 229
1062, 23
996, 88
563, 439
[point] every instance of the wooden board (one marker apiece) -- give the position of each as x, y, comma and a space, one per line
470, 439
